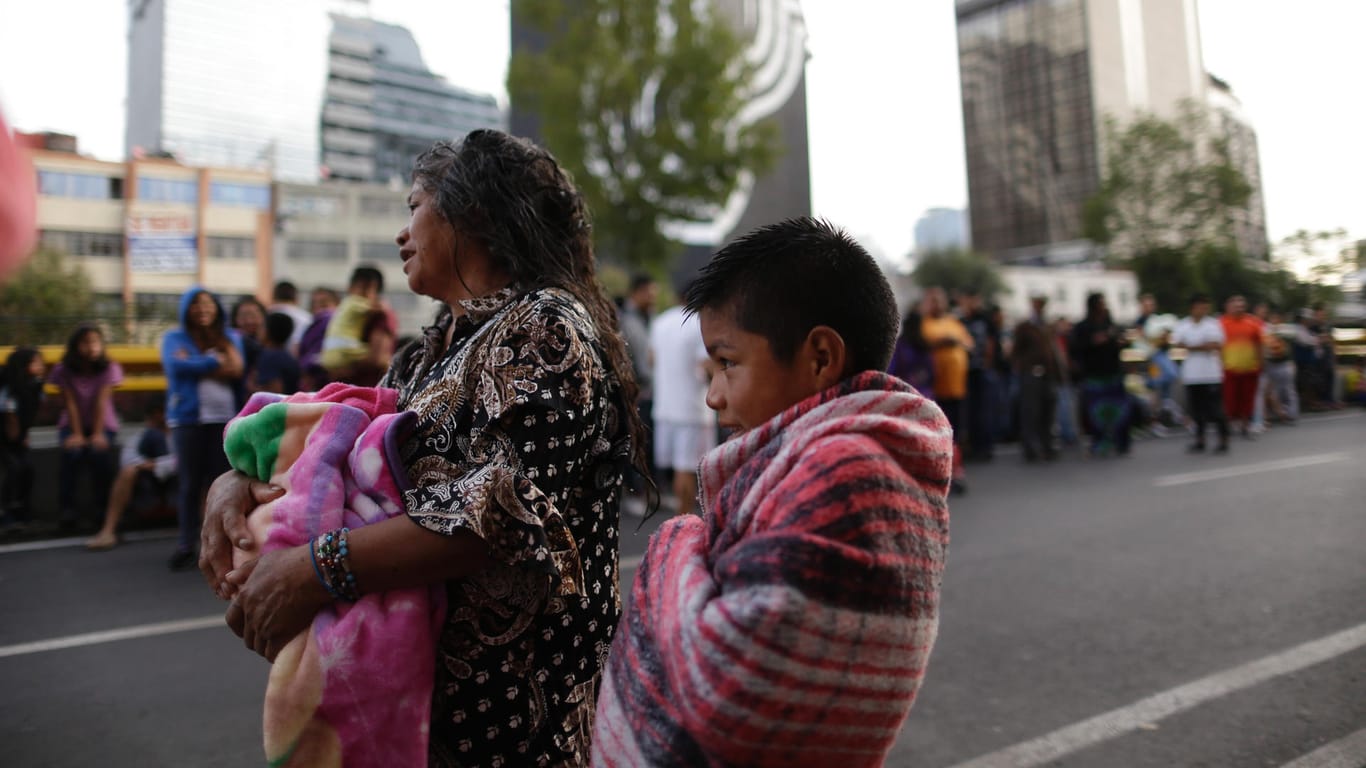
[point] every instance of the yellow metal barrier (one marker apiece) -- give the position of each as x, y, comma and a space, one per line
141, 365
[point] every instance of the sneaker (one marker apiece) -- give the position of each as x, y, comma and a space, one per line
1195, 448
1222, 448
958, 487
181, 560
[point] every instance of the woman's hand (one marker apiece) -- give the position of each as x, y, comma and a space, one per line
74, 442
99, 441
231, 498
277, 597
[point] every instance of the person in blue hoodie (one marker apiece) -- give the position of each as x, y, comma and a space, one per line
203, 361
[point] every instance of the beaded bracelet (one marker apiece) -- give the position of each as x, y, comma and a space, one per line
332, 561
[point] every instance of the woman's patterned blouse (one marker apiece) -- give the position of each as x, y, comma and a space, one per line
521, 440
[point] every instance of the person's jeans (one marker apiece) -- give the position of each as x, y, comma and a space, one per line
981, 404
200, 459
75, 462
1281, 381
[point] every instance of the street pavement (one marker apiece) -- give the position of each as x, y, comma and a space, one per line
1157, 610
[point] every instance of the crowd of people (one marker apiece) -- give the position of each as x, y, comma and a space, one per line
1049, 382
213, 359
512, 433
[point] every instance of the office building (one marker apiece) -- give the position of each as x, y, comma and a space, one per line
326, 230
1039, 77
1248, 224
227, 84
941, 229
383, 107
146, 229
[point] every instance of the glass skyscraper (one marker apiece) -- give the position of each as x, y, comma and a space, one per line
383, 106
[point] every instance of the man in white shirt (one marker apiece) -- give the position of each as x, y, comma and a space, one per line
286, 300
1203, 371
684, 426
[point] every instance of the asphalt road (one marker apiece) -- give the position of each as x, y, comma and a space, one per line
1157, 610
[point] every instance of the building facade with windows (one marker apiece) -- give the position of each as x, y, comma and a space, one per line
327, 230
147, 229
1039, 79
235, 84
383, 107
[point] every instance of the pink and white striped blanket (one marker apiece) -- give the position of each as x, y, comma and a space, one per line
791, 623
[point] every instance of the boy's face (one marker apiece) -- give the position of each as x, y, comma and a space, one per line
749, 385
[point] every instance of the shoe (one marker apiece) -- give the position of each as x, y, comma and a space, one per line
102, 542
1222, 448
181, 560
1195, 448
958, 487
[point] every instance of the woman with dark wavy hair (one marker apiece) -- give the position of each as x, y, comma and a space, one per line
523, 393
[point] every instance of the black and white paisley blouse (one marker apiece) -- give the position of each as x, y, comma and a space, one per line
521, 440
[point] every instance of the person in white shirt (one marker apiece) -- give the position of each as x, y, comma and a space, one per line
1203, 371
685, 428
286, 300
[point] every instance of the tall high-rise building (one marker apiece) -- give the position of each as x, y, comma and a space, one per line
1229, 120
1039, 77
940, 229
383, 106
261, 84
227, 84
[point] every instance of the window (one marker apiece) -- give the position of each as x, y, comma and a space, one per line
317, 250
241, 195
87, 186
394, 206
231, 248
167, 190
378, 253
83, 243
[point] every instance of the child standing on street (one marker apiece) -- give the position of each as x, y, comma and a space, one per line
88, 424
789, 624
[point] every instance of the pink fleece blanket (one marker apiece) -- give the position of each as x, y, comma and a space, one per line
356, 688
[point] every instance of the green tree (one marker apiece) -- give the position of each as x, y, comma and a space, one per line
1166, 184
957, 270
44, 301
641, 100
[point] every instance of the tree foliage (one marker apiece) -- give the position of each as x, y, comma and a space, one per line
45, 300
1166, 184
640, 100
956, 270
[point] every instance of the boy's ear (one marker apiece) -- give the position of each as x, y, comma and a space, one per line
826, 356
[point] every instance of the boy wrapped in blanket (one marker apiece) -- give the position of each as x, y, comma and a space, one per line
790, 624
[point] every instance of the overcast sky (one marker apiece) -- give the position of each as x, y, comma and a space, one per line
885, 119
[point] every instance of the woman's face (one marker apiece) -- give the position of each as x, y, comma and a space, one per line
203, 311
91, 346
36, 367
250, 320
427, 246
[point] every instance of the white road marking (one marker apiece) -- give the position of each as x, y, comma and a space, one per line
111, 635
79, 541
162, 628
1186, 478
1347, 752
1118, 722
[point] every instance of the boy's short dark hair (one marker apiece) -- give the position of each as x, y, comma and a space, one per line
285, 292
1199, 298
785, 279
279, 327
367, 275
